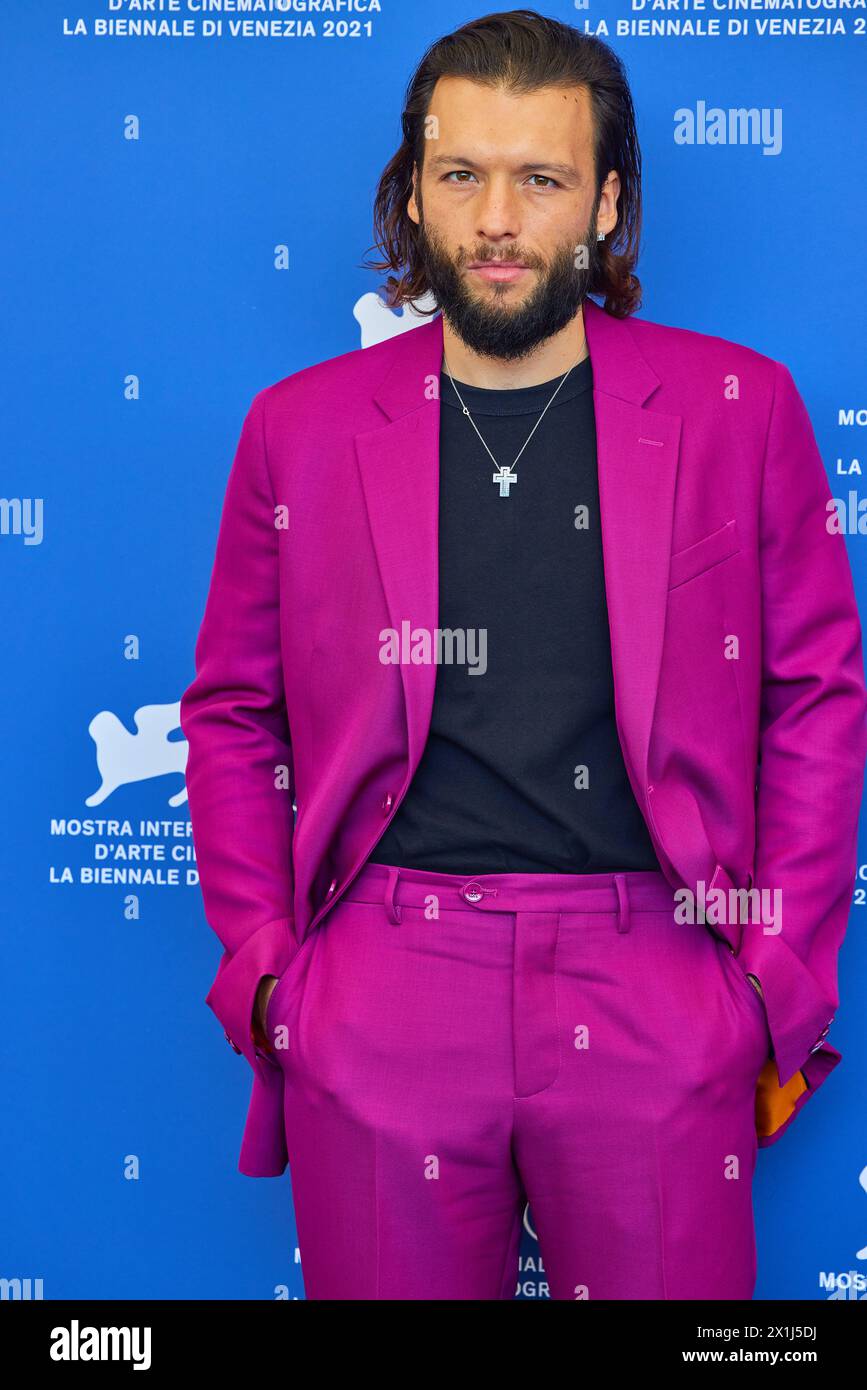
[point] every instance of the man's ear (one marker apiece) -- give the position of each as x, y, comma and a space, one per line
606, 217
412, 205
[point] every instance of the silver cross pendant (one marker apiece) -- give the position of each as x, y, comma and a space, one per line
505, 477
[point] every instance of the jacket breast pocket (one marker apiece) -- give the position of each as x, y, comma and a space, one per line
692, 561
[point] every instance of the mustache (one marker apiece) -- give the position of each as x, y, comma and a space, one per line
513, 258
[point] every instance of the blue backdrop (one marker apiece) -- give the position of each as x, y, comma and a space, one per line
154, 180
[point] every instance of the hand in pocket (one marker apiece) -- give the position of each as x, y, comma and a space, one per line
265, 989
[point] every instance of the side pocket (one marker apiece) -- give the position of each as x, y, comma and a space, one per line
755, 1002
273, 1011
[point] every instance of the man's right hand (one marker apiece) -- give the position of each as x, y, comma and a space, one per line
263, 994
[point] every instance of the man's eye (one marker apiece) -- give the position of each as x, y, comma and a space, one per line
461, 176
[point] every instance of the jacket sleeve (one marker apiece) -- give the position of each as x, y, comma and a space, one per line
812, 738
239, 763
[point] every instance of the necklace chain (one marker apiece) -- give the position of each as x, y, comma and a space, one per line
505, 476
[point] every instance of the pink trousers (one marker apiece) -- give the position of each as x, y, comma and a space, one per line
455, 1047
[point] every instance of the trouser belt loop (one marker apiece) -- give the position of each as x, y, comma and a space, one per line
623, 922
391, 907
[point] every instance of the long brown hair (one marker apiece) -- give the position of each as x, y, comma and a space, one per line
521, 51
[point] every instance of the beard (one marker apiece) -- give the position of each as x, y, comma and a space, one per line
501, 330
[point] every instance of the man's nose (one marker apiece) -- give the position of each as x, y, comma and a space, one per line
497, 212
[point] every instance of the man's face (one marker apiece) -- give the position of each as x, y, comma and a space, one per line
507, 213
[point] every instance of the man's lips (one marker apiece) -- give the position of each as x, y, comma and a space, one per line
498, 272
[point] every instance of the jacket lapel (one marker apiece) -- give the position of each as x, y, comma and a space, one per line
637, 453
399, 466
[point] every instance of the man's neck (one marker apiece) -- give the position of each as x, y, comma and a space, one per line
552, 358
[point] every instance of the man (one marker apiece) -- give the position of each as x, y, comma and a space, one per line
539, 614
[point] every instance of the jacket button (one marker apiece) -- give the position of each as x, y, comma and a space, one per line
650, 789
824, 1033
387, 803
231, 1040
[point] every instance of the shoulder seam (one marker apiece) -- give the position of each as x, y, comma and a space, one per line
260, 397
777, 367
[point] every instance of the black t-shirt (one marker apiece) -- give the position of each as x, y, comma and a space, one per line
500, 786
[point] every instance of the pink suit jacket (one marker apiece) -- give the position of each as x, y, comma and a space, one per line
735, 639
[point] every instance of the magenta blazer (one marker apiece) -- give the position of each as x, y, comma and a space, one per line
735, 640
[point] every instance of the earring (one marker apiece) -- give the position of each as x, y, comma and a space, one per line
600, 236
